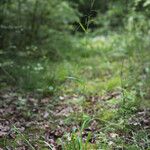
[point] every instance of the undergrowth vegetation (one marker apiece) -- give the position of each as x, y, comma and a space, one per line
87, 90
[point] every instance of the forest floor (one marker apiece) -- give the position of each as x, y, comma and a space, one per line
92, 110
41, 122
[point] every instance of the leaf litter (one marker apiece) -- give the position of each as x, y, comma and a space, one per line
43, 120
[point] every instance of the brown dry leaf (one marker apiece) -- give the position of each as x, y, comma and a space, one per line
4, 130
94, 125
109, 96
33, 101
2, 134
45, 100
65, 112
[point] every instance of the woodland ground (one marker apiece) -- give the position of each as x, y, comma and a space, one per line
99, 99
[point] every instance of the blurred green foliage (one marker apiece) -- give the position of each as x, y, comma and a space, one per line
43, 42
